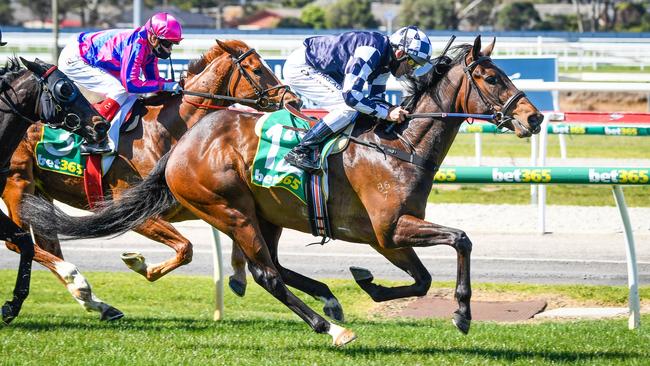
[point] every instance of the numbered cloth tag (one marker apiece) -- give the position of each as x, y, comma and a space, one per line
269, 168
58, 151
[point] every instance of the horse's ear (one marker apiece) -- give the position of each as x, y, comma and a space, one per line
487, 51
34, 67
476, 49
225, 47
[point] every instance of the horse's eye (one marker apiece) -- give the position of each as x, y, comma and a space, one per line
492, 80
258, 72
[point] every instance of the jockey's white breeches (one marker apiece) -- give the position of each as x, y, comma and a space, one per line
318, 88
90, 77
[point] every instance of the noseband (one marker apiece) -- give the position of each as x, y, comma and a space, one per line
502, 115
52, 102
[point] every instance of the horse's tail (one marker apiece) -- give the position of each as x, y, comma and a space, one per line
148, 198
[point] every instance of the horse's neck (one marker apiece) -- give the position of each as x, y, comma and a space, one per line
434, 137
190, 112
12, 126
12, 130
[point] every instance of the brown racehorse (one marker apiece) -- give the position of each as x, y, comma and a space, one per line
230, 69
375, 198
26, 96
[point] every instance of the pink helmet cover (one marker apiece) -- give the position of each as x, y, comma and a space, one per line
165, 26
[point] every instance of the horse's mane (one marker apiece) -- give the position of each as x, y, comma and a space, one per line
196, 66
11, 70
428, 83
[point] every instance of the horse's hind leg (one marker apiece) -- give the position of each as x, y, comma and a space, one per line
11, 232
242, 227
163, 232
407, 260
316, 289
237, 282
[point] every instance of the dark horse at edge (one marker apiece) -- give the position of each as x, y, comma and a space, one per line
40, 92
209, 173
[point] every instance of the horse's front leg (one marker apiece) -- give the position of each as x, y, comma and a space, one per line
411, 231
12, 233
161, 231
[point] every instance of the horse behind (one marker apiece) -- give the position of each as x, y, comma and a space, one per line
40, 91
227, 73
374, 198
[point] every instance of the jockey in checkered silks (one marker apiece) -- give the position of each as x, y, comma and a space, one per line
120, 64
332, 71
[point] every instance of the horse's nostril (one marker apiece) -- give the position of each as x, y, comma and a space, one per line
535, 120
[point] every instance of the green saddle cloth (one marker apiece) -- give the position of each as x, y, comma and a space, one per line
58, 151
269, 167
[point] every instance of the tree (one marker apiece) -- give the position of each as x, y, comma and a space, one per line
429, 14
559, 22
517, 16
313, 16
629, 15
291, 22
6, 13
477, 13
350, 14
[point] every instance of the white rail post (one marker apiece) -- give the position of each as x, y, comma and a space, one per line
634, 321
218, 275
562, 139
533, 162
541, 189
478, 148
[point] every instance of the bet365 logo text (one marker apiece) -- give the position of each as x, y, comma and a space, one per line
621, 176
522, 175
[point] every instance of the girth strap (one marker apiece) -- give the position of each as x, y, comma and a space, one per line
412, 158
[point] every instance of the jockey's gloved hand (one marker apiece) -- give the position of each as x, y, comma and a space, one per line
172, 86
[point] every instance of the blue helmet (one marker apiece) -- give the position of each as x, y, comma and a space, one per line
416, 45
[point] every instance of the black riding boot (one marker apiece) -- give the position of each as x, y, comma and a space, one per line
302, 156
94, 148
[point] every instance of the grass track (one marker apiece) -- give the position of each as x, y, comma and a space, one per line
169, 323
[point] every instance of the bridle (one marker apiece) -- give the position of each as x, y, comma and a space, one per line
260, 99
500, 111
52, 104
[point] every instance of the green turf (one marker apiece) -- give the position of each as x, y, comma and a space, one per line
578, 146
169, 323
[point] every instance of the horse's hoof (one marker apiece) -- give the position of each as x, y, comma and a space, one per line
334, 312
461, 322
135, 262
111, 314
8, 314
239, 288
361, 274
344, 338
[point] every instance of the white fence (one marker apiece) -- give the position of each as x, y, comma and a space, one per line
584, 54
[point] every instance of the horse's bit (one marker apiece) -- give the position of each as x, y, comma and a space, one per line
502, 115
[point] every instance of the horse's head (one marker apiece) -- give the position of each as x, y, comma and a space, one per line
488, 90
58, 102
237, 71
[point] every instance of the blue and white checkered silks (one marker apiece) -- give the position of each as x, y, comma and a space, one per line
416, 44
365, 60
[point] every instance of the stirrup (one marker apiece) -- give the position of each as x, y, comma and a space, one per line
302, 161
95, 148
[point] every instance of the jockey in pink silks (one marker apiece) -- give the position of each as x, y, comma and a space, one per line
121, 63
